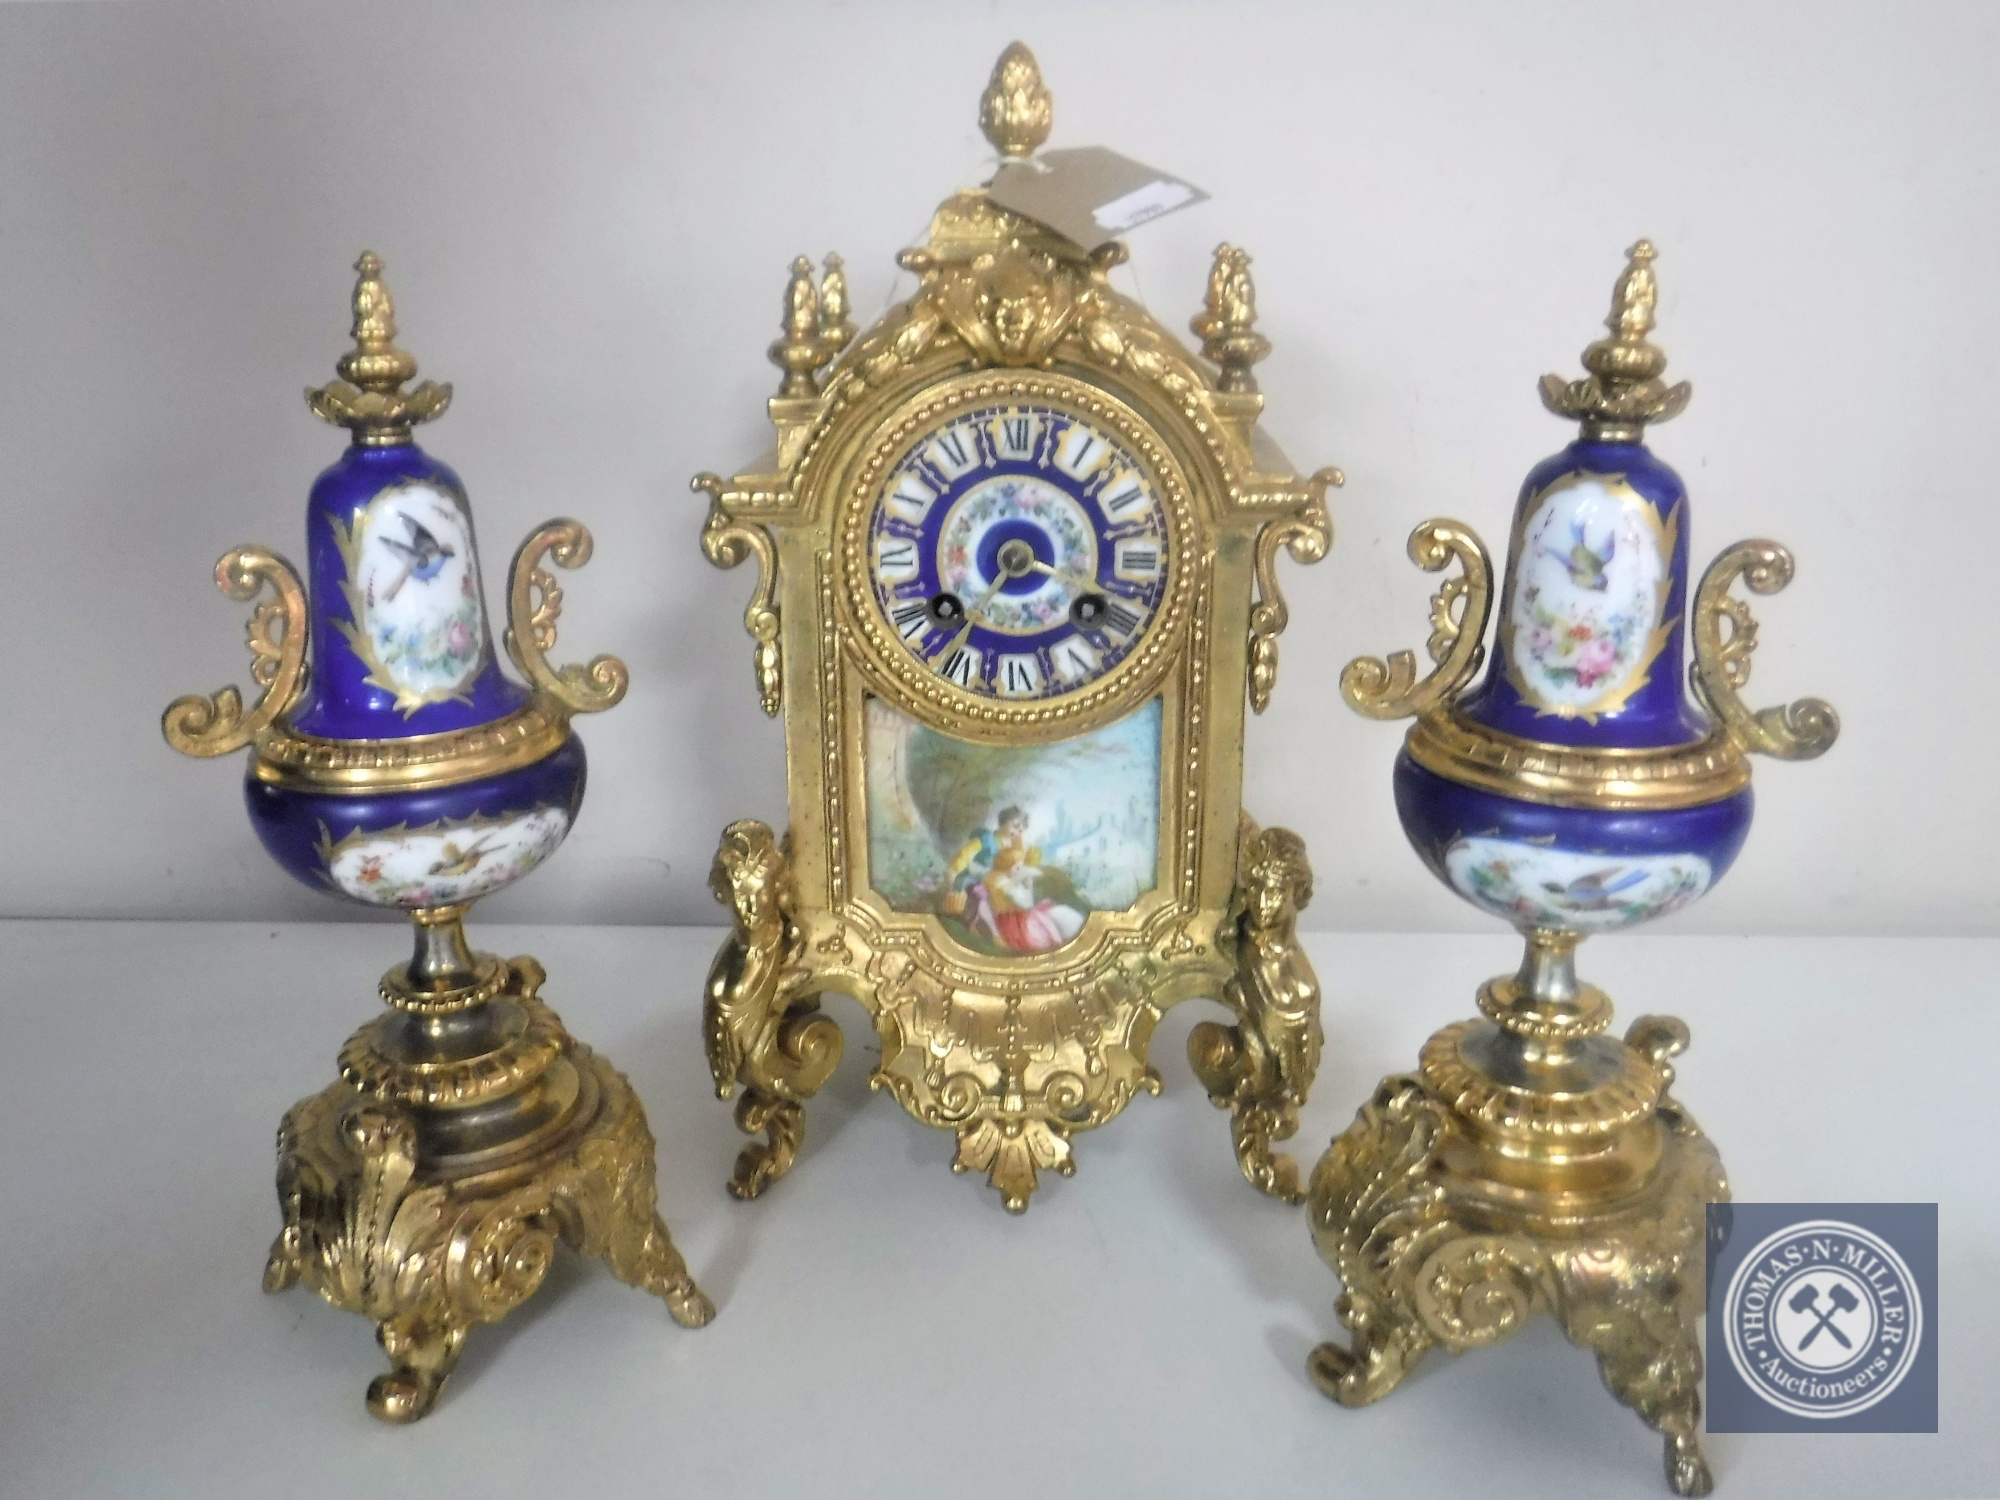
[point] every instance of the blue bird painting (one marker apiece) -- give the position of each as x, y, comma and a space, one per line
1586, 566
1594, 892
457, 861
423, 555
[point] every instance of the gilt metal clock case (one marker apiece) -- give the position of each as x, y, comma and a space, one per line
1016, 551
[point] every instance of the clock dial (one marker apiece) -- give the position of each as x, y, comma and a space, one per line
1019, 551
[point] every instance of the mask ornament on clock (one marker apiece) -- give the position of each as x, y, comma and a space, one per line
1016, 552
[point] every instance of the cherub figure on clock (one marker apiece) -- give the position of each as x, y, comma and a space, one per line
1017, 553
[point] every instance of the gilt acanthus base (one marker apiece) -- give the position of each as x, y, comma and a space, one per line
1013, 1072
427, 1247
1432, 1250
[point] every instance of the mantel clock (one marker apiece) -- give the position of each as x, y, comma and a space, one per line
1016, 550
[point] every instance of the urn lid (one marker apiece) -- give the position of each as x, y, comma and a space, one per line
400, 640
1590, 646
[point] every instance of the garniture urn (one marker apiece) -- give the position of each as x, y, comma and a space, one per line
404, 769
1533, 1161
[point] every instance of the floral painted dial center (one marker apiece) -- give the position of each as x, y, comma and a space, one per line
1018, 551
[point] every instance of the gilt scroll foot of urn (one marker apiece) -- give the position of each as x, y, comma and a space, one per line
1455, 1207
429, 1196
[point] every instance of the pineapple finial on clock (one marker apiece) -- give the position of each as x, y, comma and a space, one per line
1017, 111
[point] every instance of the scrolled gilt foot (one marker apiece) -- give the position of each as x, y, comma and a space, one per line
1687, 1469
422, 1356
630, 1236
1643, 1332
281, 1267
1657, 1374
1251, 1131
1385, 1349
687, 1304
776, 1086
1377, 1212
762, 1163
1236, 1070
642, 1255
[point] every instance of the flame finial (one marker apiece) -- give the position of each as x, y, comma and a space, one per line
1017, 109
1224, 323
1623, 391
800, 350
836, 328
368, 398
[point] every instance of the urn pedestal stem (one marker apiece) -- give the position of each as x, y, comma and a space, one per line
443, 961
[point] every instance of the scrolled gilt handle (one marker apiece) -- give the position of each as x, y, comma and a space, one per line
533, 605
1390, 690
276, 634
1792, 731
726, 542
1306, 535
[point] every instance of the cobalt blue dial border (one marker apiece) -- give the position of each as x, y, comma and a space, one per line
1056, 421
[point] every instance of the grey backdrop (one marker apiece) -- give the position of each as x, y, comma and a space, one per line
587, 212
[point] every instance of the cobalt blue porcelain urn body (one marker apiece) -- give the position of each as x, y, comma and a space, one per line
405, 769
468, 1131
1586, 671
475, 783
1581, 786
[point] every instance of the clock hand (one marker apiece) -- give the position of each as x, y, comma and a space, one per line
979, 608
986, 598
971, 610
952, 645
1082, 585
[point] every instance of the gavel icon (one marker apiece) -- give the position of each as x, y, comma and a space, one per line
1807, 1301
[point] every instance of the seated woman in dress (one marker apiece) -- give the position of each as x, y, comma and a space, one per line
994, 874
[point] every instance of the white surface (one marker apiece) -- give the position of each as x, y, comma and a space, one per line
587, 212
886, 1329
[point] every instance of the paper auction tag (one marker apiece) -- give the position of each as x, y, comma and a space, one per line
1089, 195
